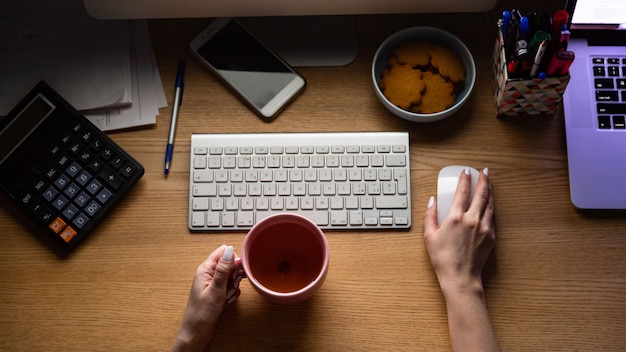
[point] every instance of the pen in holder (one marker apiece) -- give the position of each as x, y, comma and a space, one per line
525, 94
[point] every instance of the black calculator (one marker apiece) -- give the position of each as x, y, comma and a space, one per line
60, 169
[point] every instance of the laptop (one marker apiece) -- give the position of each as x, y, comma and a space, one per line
594, 104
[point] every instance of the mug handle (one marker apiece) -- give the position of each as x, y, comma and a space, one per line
238, 264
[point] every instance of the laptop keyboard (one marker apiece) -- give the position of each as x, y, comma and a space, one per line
610, 83
351, 181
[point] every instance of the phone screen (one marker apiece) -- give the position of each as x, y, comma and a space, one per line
246, 64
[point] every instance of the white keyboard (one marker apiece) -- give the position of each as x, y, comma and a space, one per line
351, 181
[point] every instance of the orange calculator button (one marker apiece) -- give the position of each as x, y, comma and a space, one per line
68, 234
57, 225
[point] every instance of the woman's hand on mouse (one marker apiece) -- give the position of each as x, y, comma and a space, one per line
460, 246
458, 250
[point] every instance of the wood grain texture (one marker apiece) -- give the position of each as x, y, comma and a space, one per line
555, 282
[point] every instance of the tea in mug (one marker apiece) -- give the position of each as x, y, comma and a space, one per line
286, 257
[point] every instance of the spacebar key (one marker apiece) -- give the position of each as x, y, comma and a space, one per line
391, 202
320, 218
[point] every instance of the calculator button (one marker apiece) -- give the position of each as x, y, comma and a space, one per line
128, 170
82, 199
62, 181
55, 150
75, 147
60, 203
104, 195
63, 160
66, 138
46, 216
107, 153
111, 177
39, 186
95, 165
68, 234
117, 162
85, 156
72, 190
94, 186
85, 136
35, 207
73, 169
57, 225
70, 212
76, 127
92, 208
97, 144
26, 199
83, 178
51, 173
50, 193
80, 221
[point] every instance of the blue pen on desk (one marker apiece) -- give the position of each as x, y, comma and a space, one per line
178, 100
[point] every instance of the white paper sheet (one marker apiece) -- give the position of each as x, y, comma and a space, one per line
86, 60
147, 87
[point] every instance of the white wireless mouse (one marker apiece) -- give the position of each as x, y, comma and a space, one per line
446, 187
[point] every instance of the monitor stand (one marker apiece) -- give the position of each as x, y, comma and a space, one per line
308, 41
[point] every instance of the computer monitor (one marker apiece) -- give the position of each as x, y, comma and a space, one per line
303, 32
116, 9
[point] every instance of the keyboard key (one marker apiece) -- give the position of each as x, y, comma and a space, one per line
199, 203
619, 123
604, 83
245, 219
607, 95
339, 218
611, 109
198, 219
604, 122
318, 217
395, 160
391, 202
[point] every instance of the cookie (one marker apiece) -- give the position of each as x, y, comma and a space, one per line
413, 52
402, 85
447, 63
438, 96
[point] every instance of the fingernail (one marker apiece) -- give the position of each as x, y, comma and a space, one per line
486, 171
237, 281
228, 254
431, 201
231, 300
467, 171
230, 293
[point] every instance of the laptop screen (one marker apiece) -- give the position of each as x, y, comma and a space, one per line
597, 14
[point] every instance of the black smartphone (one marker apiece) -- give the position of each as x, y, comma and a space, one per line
263, 80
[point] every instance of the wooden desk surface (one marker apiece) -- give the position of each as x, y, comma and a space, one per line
556, 280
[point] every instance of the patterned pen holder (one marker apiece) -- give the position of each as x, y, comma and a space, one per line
522, 97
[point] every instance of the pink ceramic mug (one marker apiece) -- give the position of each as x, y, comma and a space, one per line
285, 257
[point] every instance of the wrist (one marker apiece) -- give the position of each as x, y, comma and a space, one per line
455, 289
190, 339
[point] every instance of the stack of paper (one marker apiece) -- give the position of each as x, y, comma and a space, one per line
105, 69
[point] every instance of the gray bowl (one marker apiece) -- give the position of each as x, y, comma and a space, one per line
437, 36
